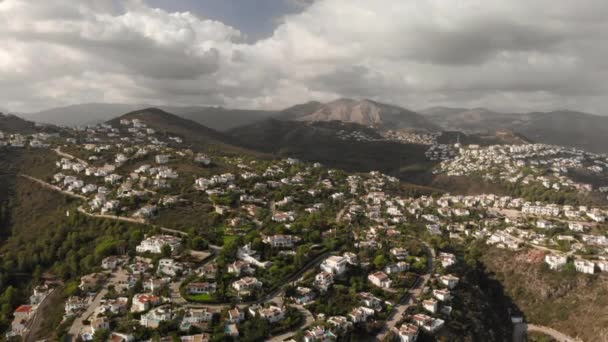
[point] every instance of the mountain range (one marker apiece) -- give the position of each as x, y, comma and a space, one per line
567, 128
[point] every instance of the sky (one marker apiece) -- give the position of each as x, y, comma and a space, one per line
507, 55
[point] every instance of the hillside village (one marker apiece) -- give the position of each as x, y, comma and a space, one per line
291, 239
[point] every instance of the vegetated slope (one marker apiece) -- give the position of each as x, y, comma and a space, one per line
199, 137
38, 240
570, 302
322, 142
12, 124
364, 112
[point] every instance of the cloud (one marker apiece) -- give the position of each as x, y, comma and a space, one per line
508, 55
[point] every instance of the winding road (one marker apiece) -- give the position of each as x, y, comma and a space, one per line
520, 331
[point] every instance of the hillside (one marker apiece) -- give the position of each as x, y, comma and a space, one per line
566, 128
192, 132
13, 124
473, 120
571, 302
324, 142
364, 112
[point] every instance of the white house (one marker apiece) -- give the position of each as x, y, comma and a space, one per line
407, 333
380, 279
335, 264
556, 262
584, 266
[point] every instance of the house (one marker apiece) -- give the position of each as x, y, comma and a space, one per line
153, 318
143, 302
442, 295
240, 267
281, 241
407, 332
371, 301
318, 334
246, 284
399, 253
399, 267
334, 264
169, 267
304, 295
584, 266
235, 315
576, 226
324, 280
272, 313
201, 288
431, 305
198, 315
162, 158
556, 262
74, 304
428, 323
339, 323
446, 259
155, 244
24, 311
449, 280
109, 263
380, 279
360, 314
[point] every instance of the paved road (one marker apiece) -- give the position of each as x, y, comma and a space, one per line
414, 292
77, 325
520, 331
35, 323
69, 156
52, 187
308, 321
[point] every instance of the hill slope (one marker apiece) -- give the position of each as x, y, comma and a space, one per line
364, 112
567, 128
325, 142
199, 137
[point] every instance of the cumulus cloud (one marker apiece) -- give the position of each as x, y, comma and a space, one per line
508, 55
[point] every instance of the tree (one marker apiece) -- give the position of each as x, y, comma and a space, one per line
166, 251
380, 261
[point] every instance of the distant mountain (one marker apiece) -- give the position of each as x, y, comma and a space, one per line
81, 114
93, 113
474, 120
220, 118
363, 112
566, 128
323, 141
